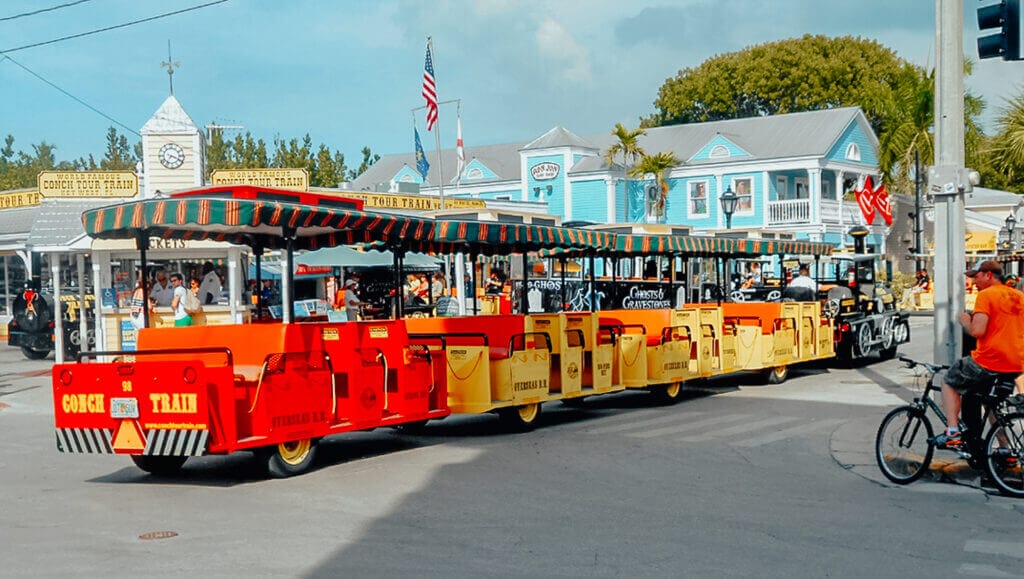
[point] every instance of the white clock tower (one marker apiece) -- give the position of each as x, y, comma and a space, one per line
173, 148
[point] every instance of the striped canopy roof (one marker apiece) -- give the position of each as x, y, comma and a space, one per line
488, 238
637, 244
262, 220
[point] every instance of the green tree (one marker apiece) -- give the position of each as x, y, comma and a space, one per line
330, 169
369, 158
119, 156
1003, 164
658, 166
785, 76
627, 146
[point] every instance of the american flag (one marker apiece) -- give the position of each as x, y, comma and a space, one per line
429, 89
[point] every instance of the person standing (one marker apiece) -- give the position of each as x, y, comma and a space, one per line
997, 323
352, 301
437, 286
162, 291
210, 288
181, 317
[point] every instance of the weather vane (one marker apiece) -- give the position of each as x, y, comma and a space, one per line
171, 65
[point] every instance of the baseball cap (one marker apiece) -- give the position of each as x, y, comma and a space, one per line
350, 282
989, 265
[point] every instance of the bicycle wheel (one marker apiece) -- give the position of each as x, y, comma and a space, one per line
902, 446
1004, 451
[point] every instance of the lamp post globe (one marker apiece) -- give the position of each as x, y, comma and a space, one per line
728, 201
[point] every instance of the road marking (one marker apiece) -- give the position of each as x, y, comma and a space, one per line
787, 433
984, 571
740, 428
1015, 550
641, 423
678, 428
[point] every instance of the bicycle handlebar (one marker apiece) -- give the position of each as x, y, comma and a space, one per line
933, 368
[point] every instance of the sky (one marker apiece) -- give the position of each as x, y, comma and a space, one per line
349, 72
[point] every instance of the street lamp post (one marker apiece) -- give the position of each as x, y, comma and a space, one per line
729, 200
1011, 224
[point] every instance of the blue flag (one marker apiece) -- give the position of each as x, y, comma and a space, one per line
421, 159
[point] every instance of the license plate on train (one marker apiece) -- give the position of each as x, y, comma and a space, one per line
124, 407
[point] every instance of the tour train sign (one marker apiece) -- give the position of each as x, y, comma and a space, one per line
295, 179
88, 184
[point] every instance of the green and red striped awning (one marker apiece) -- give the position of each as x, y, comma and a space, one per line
250, 221
782, 247
696, 245
489, 238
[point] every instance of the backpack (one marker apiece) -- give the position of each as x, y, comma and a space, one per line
192, 305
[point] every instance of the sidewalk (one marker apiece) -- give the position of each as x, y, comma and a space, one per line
853, 446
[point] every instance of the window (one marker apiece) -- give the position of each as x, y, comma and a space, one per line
802, 191
782, 188
719, 152
853, 152
826, 189
475, 173
744, 189
698, 191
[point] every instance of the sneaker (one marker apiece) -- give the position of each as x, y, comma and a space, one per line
948, 440
1005, 457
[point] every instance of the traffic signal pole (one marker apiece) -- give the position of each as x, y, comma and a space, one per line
947, 180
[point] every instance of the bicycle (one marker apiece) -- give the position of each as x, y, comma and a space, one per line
905, 443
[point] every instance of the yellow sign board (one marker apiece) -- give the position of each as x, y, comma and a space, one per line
297, 179
88, 184
22, 199
414, 202
980, 242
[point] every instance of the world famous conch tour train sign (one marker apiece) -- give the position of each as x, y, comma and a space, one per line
88, 184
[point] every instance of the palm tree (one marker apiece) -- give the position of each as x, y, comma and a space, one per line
659, 166
1007, 147
628, 146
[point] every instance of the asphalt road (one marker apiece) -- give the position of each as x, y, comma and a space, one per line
738, 480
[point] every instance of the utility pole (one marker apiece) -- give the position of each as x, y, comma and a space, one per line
948, 180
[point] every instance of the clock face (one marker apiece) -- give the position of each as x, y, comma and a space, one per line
172, 156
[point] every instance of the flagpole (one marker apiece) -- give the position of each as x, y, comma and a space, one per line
458, 147
437, 133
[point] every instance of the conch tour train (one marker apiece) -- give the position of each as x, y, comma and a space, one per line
276, 387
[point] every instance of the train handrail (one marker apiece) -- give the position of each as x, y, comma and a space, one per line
582, 343
444, 337
524, 335
198, 350
668, 332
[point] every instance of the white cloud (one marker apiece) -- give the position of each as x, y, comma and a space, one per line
555, 42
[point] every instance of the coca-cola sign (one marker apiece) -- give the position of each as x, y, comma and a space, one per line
545, 171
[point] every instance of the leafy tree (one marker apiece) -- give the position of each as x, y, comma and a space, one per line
657, 165
369, 158
330, 170
1003, 163
785, 76
119, 156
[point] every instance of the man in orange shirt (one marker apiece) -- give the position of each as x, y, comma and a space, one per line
998, 325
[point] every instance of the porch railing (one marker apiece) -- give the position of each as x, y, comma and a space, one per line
789, 212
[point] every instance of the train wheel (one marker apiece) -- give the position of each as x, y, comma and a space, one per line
290, 458
520, 417
776, 375
669, 393
34, 354
863, 340
159, 465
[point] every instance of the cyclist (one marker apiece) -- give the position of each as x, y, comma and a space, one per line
998, 324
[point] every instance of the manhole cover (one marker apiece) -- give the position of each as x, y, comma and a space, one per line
157, 535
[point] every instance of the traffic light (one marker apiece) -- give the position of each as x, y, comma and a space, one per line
1006, 17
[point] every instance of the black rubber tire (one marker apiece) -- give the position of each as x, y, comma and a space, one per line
776, 375
159, 465
902, 450
578, 402
34, 354
412, 427
289, 458
1009, 479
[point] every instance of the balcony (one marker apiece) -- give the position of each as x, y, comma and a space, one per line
798, 212
791, 212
